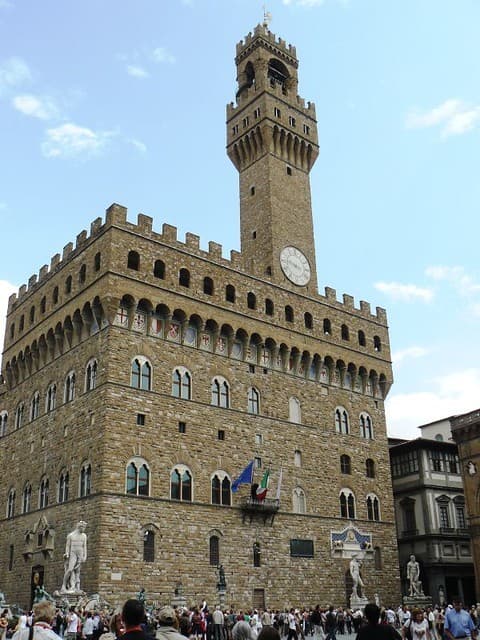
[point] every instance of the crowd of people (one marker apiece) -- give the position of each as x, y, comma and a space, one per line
134, 622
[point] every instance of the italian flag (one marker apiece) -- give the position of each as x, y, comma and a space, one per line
263, 488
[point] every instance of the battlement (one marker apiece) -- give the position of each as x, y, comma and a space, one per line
248, 94
116, 215
264, 33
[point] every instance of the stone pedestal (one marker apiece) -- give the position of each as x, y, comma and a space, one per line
418, 602
68, 599
358, 602
179, 601
222, 598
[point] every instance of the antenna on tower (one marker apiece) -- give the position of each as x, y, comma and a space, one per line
267, 17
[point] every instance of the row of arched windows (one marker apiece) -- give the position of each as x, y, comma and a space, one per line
342, 423
44, 497
346, 466
348, 505
69, 391
230, 295
68, 287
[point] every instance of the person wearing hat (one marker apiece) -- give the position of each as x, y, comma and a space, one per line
168, 625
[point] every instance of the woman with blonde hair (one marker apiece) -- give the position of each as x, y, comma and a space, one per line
44, 613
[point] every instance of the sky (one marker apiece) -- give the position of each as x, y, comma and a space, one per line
124, 101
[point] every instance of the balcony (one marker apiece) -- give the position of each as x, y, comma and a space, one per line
261, 509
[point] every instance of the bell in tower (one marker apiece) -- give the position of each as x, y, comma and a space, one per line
272, 141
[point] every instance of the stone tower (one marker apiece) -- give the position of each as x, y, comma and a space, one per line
142, 373
272, 140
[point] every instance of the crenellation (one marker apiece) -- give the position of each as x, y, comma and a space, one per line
192, 240
42, 274
55, 260
348, 301
144, 223
169, 232
22, 291
32, 281
331, 294
215, 250
236, 259
12, 299
95, 226
365, 308
67, 250
81, 239
116, 214
382, 315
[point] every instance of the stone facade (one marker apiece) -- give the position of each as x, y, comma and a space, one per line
136, 355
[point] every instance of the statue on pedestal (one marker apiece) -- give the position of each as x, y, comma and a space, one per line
222, 583
355, 564
75, 554
413, 575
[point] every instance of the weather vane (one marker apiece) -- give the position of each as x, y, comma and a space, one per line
267, 17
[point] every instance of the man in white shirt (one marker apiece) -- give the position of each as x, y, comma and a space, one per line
72, 625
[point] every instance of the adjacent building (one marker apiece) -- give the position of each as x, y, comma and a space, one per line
432, 523
142, 374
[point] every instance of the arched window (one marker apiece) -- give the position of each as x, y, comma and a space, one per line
221, 489
366, 429
369, 468
269, 307
347, 504
361, 338
257, 556
341, 421
97, 261
27, 498
159, 269
377, 343
220, 393
208, 286
294, 410
182, 383
3, 423
230, 293
69, 389
214, 550
82, 274
85, 480
21, 324
63, 485
308, 320
35, 406
288, 313
345, 333
327, 327
253, 401
299, 501
251, 300
11, 503
138, 478
51, 401
297, 458
373, 507
32, 315
133, 260
12, 331
43, 494
345, 464
184, 278
68, 284
91, 375
377, 557
43, 304
141, 373
181, 484
277, 73
149, 546
19, 413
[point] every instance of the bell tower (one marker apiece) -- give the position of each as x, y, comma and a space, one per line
272, 140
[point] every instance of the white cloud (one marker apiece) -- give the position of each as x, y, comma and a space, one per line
404, 292
160, 54
138, 144
6, 290
463, 282
453, 116
37, 107
452, 394
136, 71
13, 72
408, 353
69, 140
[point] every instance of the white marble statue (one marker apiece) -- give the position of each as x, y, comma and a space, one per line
75, 554
413, 575
355, 564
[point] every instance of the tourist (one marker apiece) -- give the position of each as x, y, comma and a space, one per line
373, 630
417, 625
168, 625
242, 631
44, 612
133, 615
458, 623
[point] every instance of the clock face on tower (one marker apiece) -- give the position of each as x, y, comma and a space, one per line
295, 265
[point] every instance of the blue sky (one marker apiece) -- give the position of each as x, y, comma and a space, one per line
124, 101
